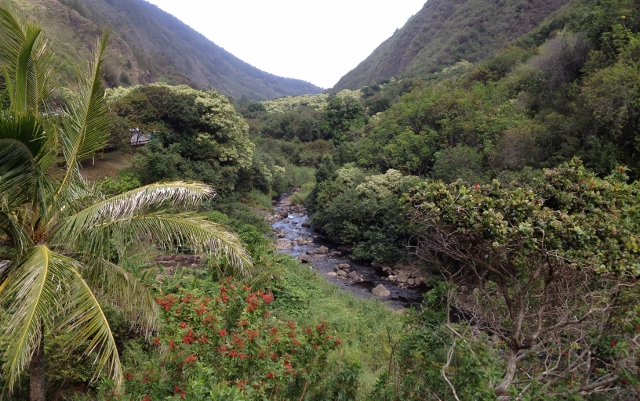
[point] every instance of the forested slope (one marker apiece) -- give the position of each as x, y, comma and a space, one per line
149, 45
445, 32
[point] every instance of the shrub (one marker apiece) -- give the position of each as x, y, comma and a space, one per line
223, 340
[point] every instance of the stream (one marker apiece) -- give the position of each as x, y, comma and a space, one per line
297, 238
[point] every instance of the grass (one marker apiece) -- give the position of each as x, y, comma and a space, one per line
106, 165
364, 325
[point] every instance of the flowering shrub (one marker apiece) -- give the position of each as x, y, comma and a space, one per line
225, 343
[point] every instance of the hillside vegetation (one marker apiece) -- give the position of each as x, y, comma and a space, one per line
510, 184
445, 32
149, 45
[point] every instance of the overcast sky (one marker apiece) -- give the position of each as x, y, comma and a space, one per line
317, 41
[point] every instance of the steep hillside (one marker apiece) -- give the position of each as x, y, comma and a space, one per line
447, 31
149, 45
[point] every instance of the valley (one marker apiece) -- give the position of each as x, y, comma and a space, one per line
456, 220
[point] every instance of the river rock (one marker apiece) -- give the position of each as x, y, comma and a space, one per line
305, 224
321, 250
353, 275
411, 281
344, 266
281, 235
344, 248
332, 274
381, 291
341, 273
304, 258
283, 213
335, 253
402, 277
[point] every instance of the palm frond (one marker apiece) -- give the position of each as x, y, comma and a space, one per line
135, 202
123, 289
24, 152
28, 63
86, 322
85, 126
13, 229
33, 288
168, 231
12, 35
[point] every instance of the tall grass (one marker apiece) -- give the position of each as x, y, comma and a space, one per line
300, 175
300, 196
365, 326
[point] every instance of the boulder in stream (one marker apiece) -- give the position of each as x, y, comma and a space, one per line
381, 291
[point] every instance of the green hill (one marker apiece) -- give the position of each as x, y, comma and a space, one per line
150, 45
447, 31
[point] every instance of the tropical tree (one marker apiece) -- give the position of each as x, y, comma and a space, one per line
549, 270
63, 239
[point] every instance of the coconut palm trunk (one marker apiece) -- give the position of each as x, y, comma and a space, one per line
37, 373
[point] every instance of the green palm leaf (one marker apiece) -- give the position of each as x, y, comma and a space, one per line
150, 197
86, 322
170, 231
24, 153
123, 289
42, 287
34, 287
85, 125
28, 63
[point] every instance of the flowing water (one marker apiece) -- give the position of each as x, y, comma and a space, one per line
298, 238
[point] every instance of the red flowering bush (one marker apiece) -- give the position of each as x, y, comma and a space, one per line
225, 340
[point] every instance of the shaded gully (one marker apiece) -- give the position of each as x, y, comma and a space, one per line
400, 286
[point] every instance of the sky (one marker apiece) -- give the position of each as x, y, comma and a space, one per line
317, 41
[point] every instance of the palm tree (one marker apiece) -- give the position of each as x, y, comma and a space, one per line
62, 235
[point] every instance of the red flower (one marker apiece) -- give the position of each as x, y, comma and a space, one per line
172, 344
190, 358
156, 342
614, 343
146, 398
183, 325
222, 333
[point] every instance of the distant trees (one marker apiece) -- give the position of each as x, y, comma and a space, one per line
198, 134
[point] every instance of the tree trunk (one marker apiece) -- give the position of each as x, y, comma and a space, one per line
509, 375
37, 369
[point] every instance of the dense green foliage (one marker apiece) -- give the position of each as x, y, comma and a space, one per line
62, 238
548, 270
446, 32
361, 210
512, 182
197, 135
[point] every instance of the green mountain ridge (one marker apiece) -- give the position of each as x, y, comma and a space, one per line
149, 45
445, 32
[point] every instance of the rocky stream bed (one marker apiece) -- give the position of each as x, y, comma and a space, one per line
400, 286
